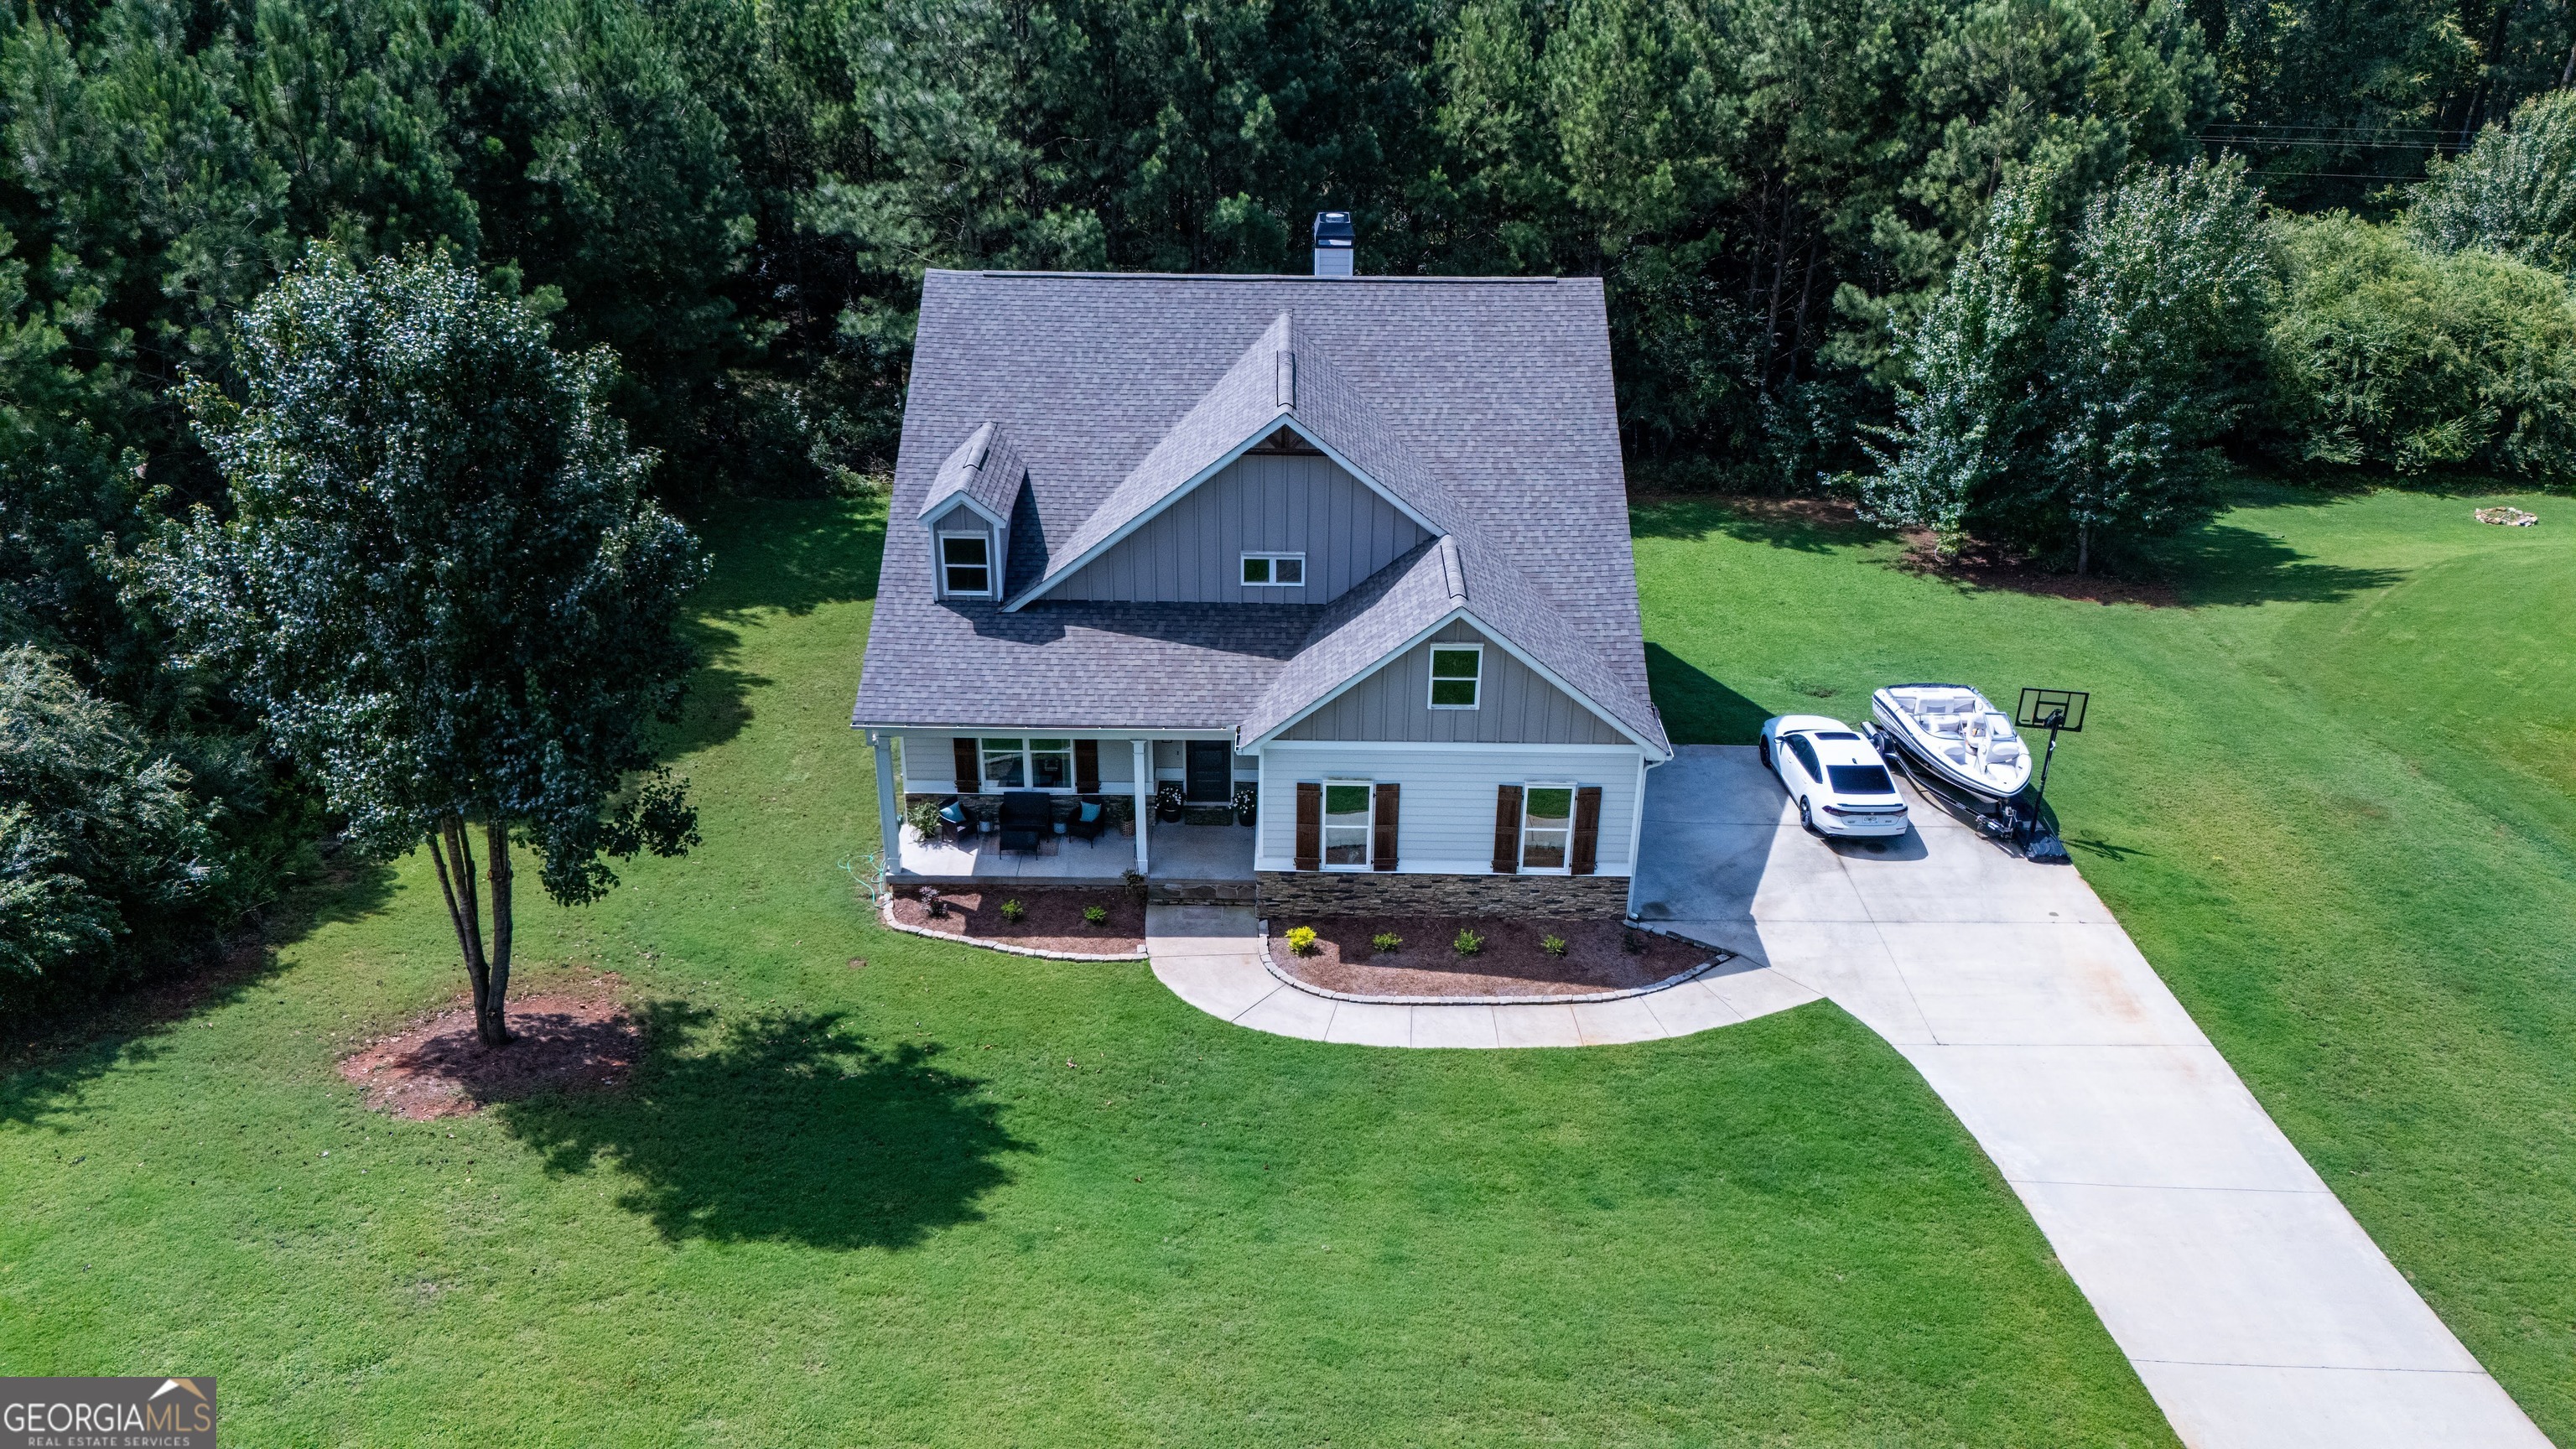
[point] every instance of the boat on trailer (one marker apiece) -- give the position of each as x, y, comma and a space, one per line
1950, 733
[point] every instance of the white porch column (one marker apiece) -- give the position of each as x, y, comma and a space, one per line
1144, 802
889, 811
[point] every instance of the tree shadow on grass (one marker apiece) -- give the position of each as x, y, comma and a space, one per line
781, 1128
791, 557
2228, 564
48, 1059
1698, 710
1806, 525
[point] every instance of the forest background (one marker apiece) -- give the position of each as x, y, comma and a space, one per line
739, 197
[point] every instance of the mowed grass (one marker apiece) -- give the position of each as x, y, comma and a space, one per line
954, 1198
2328, 791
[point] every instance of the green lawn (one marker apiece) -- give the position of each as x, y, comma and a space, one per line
2329, 794
960, 1199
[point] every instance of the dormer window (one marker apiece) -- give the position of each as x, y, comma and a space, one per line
965, 564
1274, 570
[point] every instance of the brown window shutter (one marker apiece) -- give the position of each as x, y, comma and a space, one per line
968, 765
1587, 828
1310, 825
1383, 857
1086, 767
1507, 830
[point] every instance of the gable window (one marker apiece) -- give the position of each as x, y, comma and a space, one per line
1457, 672
1274, 570
965, 563
1346, 824
1547, 828
1027, 764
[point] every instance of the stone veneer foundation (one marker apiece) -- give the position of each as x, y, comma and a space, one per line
1361, 893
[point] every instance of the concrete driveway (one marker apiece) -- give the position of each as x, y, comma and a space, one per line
2253, 1305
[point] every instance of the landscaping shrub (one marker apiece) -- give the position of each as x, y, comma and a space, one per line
1386, 943
1095, 915
1552, 945
1014, 912
1301, 939
1468, 943
2388, 354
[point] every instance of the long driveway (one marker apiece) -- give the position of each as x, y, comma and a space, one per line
2253, 1305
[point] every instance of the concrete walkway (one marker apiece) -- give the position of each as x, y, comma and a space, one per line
2252, 1304
1210, 957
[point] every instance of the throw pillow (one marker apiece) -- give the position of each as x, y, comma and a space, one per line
1090, 811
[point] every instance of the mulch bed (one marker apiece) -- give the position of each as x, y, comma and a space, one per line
573, 1040
1053, 921
1511, 963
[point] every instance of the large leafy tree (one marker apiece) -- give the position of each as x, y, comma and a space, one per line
2513, 193
441, 584
2071, 381
2154, 358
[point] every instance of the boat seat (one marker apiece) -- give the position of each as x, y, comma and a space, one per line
2004, 752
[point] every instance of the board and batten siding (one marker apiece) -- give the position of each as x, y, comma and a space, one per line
1447, 822
1192, 552
1514, 705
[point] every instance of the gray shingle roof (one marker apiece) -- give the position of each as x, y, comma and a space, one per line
1484, 403
985, 468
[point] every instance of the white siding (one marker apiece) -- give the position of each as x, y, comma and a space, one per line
930, 763
1514, 705
1262, 503
1445, 822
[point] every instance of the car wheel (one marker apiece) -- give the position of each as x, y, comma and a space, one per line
1807, 817
1762, 747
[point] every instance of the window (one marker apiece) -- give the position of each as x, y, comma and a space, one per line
965, 563
1861, 780
1346, 824
1005, 765
1028, 764
1274, 570
1806, 754
1455, 672
1547, 827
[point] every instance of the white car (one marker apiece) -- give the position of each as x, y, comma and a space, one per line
1841, 785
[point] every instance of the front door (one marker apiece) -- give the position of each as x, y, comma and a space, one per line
1210, 774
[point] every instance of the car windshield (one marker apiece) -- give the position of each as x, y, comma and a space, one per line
1861, 779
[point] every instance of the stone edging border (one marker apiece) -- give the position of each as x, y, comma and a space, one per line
885, 913
1712, 963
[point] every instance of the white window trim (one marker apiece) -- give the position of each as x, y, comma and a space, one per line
1573, 797
1368, 833
1273, 583
1430, 695
1028, 765
981, 536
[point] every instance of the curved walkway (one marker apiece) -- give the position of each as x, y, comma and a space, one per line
1210, 957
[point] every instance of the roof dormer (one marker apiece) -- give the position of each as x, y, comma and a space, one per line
968, 515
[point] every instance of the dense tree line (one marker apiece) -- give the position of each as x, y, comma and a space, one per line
1811, 216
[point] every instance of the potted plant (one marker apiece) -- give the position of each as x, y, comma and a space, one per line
1246, 800
1167, 802
1122, 813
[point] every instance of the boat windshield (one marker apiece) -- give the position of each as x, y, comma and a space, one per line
1861, 780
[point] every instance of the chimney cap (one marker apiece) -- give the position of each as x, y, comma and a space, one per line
1333, 230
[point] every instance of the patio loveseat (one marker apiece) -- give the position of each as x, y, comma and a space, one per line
1028, 816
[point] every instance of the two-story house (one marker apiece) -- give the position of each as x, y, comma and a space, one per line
1357, 543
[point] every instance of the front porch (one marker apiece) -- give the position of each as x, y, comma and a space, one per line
1174, 854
